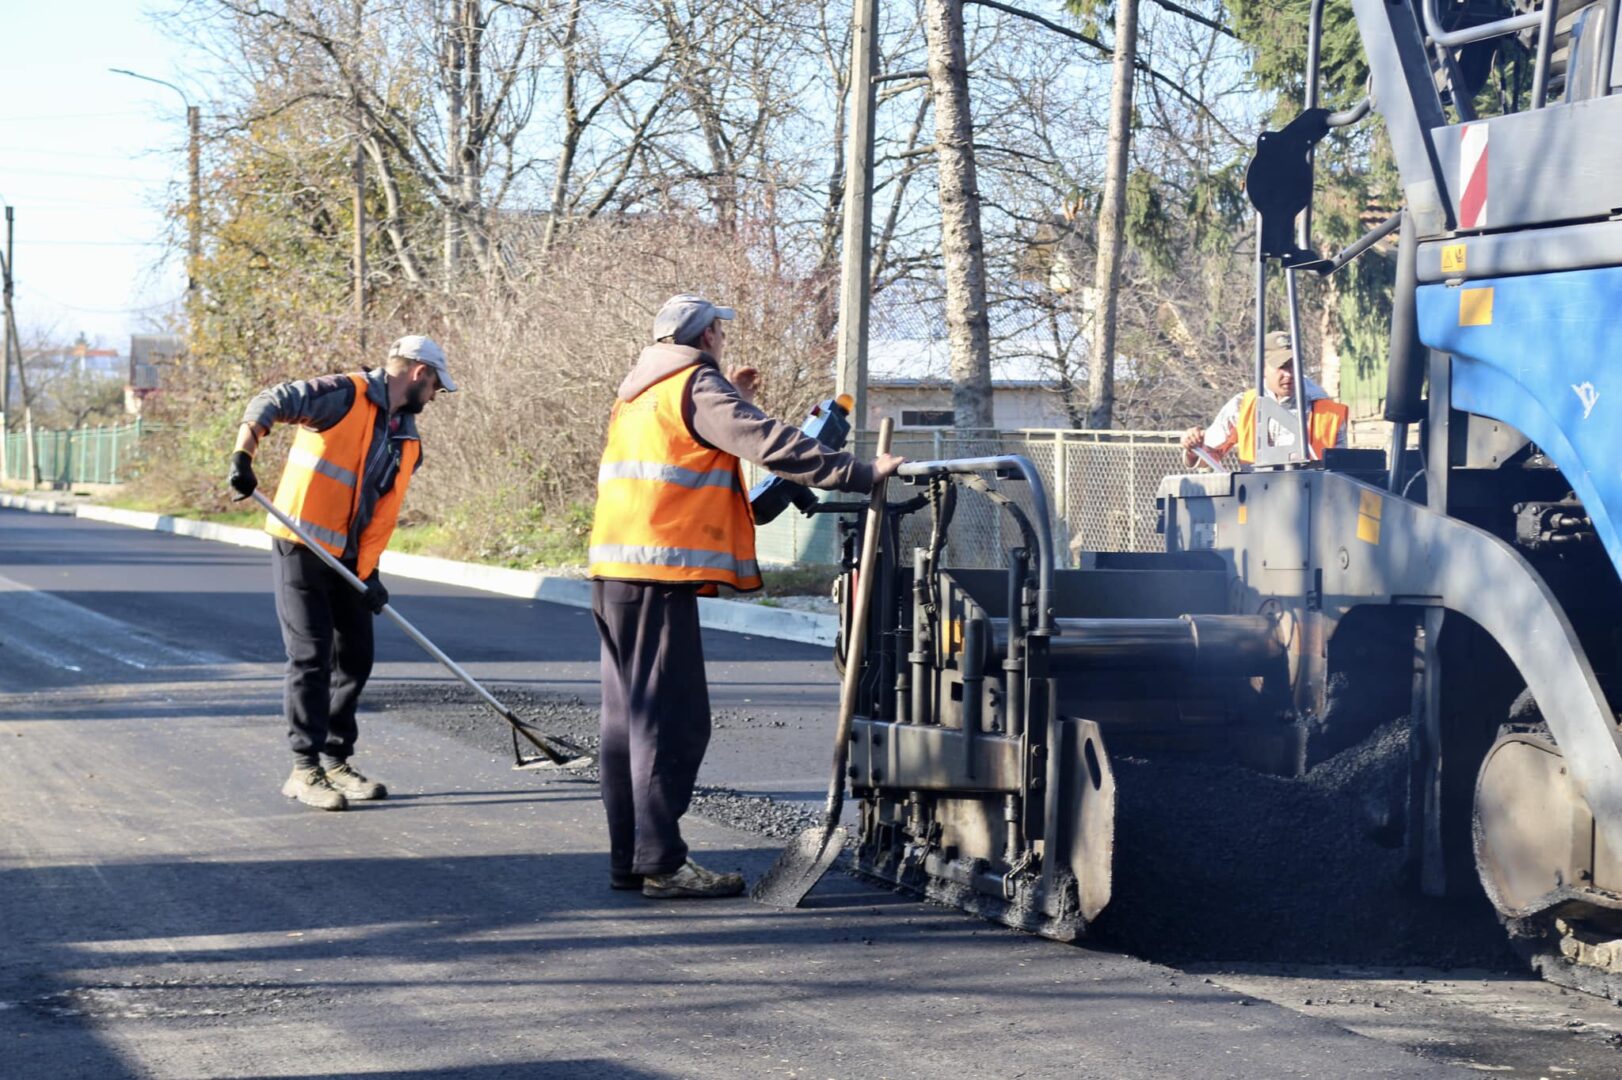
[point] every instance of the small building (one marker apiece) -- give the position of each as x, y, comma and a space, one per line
909, 382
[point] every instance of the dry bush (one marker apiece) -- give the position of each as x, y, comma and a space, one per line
515, 453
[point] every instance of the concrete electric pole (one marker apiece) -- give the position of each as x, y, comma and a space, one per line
856, 268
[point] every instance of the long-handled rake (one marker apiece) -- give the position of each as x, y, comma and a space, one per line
555, 752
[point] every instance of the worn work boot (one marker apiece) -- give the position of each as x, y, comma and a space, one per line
691, 882
308, 784
352, 785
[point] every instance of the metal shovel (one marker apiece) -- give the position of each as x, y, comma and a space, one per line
808, 857
557, 752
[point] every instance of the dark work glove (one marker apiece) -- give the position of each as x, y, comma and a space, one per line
376, 594
242, 480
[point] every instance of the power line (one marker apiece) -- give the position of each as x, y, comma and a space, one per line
93, 243
36, 295
72, 116
96, 156
87, 176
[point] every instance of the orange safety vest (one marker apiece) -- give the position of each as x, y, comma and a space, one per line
1323, 425
320, 486
669, 508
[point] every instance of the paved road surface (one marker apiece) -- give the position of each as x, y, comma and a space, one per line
167, 913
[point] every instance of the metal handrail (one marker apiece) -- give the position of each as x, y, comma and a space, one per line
1041, 523
1472, 34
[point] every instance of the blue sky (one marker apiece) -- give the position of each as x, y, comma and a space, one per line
91, 161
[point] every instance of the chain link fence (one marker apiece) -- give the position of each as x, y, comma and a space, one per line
1100, 486
61, 459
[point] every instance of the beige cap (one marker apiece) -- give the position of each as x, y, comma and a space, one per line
1277, 352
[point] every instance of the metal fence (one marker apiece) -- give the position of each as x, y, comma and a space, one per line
1101, 487
89, 455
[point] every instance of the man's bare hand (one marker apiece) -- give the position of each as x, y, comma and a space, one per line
885, 465
747, 380
1194, 436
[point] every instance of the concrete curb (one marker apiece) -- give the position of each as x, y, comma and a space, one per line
733, 616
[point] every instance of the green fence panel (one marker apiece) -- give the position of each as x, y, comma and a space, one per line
88, 455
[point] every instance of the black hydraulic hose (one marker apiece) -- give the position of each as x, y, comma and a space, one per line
1041, 525
1347, 117
1362, 244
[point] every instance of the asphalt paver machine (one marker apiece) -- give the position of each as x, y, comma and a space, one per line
1469, 588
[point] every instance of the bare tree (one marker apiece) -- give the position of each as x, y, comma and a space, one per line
1111, 218
968, 327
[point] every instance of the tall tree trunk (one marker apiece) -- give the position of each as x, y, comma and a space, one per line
456, 127
472, 166
1111, 221
968, 328
571, 129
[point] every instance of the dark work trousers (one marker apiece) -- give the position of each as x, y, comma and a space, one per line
655, 720
327, 628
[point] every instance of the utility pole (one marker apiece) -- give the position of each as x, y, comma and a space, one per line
360, 190
14, 349
856, 269
194, 209
5, 331
1111, 221
5, 366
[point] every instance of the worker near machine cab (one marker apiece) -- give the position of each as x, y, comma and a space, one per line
346, 476
672, 523
1235, 423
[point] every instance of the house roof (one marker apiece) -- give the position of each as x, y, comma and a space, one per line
1015, 363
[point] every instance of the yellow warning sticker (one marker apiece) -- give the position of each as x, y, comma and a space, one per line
1244, 514
1453, 258
1368, 517
1475, 307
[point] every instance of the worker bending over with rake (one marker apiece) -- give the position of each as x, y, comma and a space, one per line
346, 476
673, 522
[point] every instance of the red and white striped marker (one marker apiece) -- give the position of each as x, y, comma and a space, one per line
1473, 177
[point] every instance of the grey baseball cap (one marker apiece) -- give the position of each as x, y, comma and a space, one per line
425, 350
685, 317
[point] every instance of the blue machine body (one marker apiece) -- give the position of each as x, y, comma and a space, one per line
1543, 353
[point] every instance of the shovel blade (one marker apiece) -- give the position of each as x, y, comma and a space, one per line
541, 764
799, 867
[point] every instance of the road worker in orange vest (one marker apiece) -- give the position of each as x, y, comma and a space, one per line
673, 522
346, 476
1234, 427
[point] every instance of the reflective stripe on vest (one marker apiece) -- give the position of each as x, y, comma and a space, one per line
320, 487
670, 474
669, 508
1323, 426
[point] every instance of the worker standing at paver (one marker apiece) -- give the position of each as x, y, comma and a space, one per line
346, 477
673, 521
1234, 427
